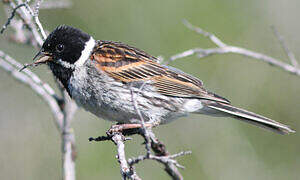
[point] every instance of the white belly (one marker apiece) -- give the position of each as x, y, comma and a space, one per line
112, 100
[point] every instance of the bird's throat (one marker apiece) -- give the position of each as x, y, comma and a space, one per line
63, 74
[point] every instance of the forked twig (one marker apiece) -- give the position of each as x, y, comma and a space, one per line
13, 13
63, 108
223, 48
284, 46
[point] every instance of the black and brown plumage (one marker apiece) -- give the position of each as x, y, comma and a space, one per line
127, 64
97, 74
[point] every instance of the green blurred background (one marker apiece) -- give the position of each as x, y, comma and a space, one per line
222, 148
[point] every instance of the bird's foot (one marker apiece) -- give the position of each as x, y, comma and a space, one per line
124, 129
127, 129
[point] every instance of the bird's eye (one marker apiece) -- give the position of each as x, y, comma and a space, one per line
60, 48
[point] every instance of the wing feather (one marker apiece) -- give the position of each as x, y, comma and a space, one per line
128, 64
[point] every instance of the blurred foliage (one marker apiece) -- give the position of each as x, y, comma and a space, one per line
222, 148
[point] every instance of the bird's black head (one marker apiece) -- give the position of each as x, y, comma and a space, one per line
65, 43
63, 50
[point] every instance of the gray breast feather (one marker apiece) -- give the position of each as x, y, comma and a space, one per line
103, 96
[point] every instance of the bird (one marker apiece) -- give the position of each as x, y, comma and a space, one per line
101, 76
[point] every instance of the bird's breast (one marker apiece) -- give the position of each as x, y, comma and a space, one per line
111, 100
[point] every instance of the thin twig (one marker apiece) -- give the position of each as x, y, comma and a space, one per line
61, 118
168, 161
27, 19
35, 15
161, 159
201, 53
126, 171
225, 49
68, 137
211, 36
119, 139
283, 44
144, 129
62, 109
13, 13
29, 78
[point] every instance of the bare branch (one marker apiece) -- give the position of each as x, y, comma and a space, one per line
126, 171
115, 134
61, 118
30, 19
145, 131
63, 109
68, 138
13, 13
35, 16
29, 78
118, 139
168, 161
288, 52
127, 167
211, 36
27, 19
225, 49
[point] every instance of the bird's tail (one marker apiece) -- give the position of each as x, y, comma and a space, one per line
250, 117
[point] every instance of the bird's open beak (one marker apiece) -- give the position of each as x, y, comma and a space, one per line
42, 58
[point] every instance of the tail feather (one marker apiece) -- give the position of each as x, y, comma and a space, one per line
251, 118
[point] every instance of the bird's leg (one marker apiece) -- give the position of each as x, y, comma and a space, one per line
120, 129
124, 129
128, 129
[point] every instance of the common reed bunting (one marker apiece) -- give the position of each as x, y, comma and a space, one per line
101, 75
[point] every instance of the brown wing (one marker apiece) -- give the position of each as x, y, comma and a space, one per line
128, 64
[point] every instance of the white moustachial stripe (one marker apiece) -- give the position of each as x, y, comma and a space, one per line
86, 52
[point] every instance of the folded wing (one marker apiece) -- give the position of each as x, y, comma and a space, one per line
127, 64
